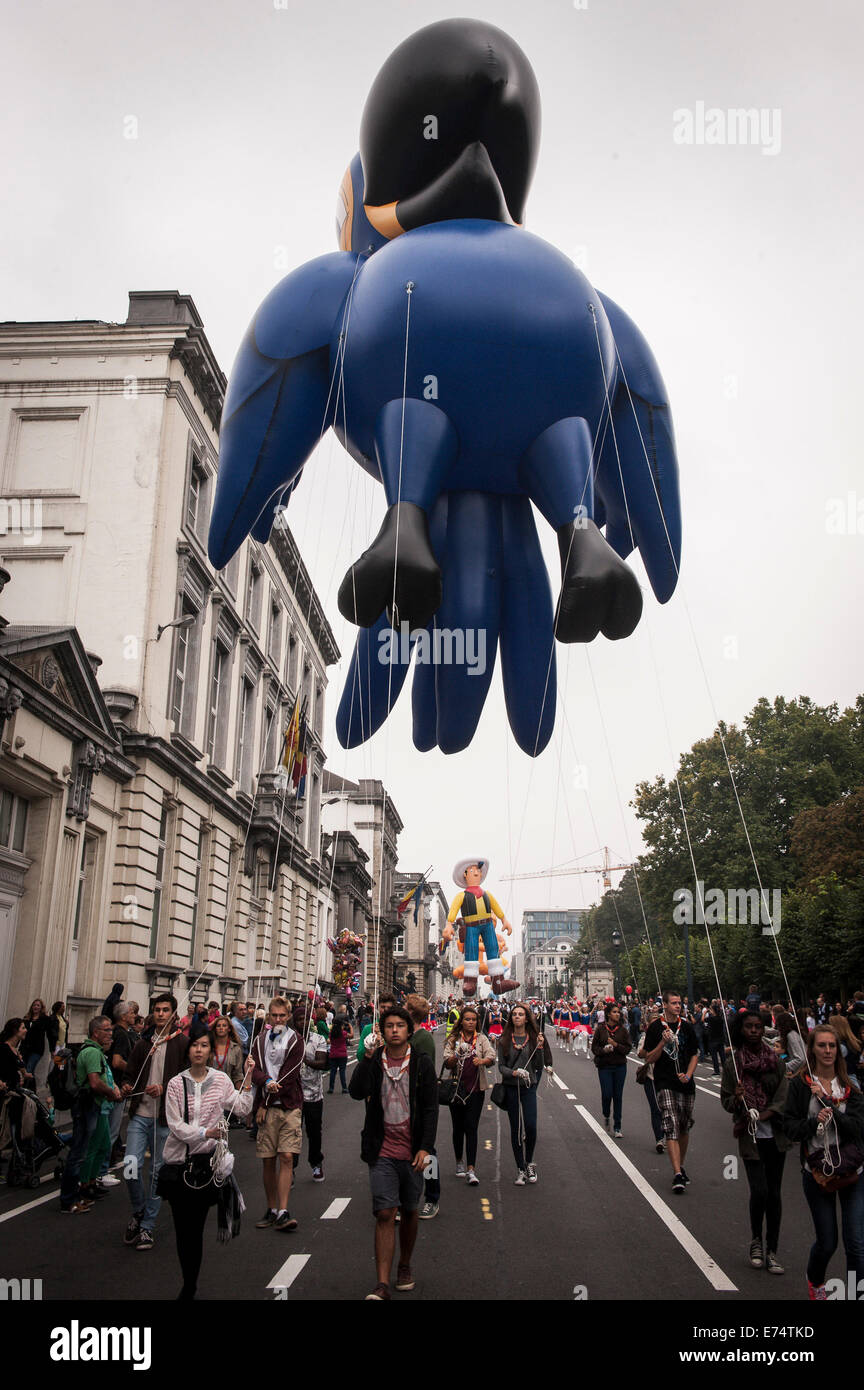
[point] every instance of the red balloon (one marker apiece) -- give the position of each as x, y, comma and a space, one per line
629, 989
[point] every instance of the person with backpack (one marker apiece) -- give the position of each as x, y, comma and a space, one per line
90, 1088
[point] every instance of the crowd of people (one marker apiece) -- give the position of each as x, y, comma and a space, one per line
185, 1079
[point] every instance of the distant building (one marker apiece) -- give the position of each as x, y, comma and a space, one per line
546, 966
541, 924
364, 810
147, 840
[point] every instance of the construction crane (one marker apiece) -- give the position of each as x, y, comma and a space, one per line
606, 868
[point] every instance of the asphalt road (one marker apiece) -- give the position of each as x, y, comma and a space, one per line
602, 1223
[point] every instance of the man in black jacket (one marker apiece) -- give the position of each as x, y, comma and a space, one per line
400, 1090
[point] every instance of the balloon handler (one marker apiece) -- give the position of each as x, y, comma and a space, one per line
477, 911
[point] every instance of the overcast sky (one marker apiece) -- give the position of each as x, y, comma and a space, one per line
741, 264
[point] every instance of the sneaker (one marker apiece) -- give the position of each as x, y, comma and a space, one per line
145, 1240
404, 1279
285, 1222
76, 1209
531, 1172
473, 1180
521, 1178
617, 1134
107, 1181
380, 1294
660, 1147
460, 1170
756, 1256
428, 1210
130, 1235
268, 1219
685, 1177
772, 1264
318, 1174
817, 1292
678, 1183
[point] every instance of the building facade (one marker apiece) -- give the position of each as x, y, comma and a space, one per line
365, 811
542, 924
193, 868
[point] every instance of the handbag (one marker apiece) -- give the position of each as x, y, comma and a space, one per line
447, 1087
195, 1171
834, 1173
644, 1073
498, 1095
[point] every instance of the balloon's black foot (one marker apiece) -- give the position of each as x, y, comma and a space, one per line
402, 547
599, 593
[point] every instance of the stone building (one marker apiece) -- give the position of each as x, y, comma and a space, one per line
364, 810
418, 964
189, 867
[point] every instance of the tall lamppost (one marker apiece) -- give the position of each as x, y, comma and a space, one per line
585, 968
616, 947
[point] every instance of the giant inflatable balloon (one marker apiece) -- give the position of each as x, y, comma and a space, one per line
477, 374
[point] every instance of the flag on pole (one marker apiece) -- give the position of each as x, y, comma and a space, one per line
298, 775
291, 739
413, 895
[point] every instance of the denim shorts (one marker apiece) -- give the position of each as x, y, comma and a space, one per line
394, 1183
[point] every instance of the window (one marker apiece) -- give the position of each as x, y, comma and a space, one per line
85, 885
253, 594
13, 821
292, 662
271, 737
245, 727
197, 498
399, 945
160, 882
200, 859
216, 711
185, 670
274, 635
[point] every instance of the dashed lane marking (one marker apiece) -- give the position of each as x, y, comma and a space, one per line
284, 1277
698, 1254
562, 1085
485, 1208
570, 1096
335, 1209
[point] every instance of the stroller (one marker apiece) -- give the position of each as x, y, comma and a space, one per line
28, 1155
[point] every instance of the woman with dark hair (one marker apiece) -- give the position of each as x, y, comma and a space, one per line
57, 1027
792, 1049
611, 1046
340, 1036
756, 1097
522, 1054
715, 1034
468, 1052
195, 1104
13, 1073
37, 1031
826, 1115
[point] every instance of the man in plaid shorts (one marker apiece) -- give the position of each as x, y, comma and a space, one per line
671, 1044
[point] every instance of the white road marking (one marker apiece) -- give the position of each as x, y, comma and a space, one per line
562, 1085
284, 1277
570, 1096
700, 1257
336, 1208
28, 1206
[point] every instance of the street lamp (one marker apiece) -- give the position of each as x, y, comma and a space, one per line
616, 947
188, 620
585, 968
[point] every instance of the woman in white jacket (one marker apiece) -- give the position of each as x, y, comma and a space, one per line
195, 1105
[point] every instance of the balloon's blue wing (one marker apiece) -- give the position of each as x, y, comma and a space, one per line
280, 399
636, 479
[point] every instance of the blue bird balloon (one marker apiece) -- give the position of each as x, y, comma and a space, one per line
478, 372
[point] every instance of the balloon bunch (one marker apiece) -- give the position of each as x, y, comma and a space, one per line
346, 965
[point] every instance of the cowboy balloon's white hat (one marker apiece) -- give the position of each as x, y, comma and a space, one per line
463, 864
